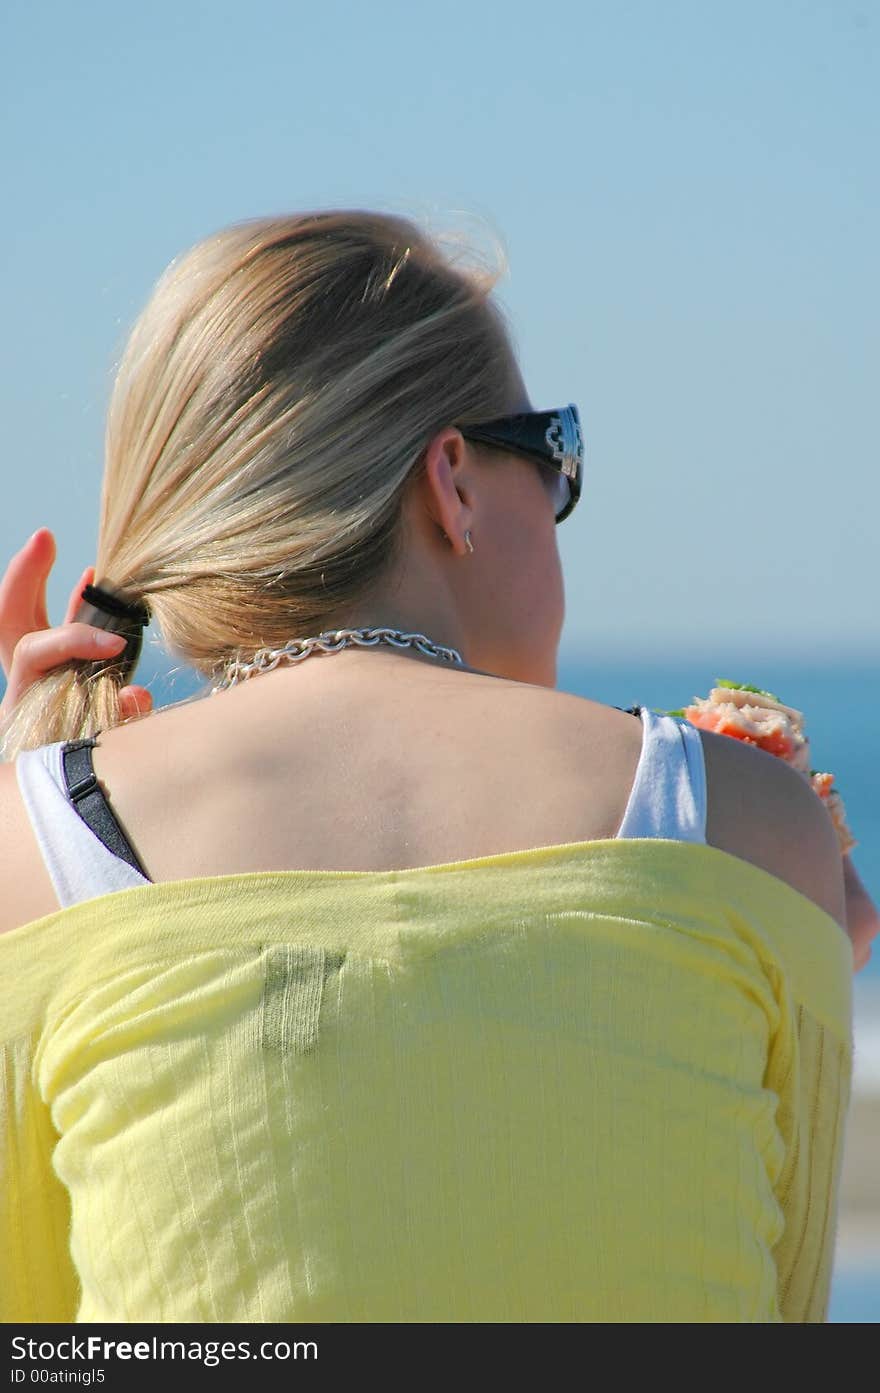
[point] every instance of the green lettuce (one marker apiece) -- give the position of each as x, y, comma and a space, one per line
745, 687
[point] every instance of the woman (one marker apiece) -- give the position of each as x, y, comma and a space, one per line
388, 983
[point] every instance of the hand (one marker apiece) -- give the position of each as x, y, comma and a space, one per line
862, 915
29, 648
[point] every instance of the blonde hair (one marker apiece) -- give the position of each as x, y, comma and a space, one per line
273, 401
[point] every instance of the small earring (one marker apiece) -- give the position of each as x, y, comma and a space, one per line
467, 540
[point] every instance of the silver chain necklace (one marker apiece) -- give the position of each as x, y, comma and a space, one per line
331, 641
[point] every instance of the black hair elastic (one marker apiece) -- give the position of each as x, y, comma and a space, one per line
104, 610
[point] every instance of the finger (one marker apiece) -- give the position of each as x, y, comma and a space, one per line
23, 592
73, 604
38, 653
134, 701
46, 552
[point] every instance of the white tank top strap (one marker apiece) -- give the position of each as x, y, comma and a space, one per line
668, 796
80, 866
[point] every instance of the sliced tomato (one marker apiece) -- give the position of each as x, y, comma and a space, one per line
775, 742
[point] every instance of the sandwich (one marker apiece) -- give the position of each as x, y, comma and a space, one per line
759, 718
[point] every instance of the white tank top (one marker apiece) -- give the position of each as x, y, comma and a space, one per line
667, 799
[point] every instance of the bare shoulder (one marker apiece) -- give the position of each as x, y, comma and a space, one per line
26, 891
765, 812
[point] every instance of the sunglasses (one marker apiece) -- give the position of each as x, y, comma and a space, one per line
551, 438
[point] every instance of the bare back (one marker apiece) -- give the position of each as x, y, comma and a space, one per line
380, 764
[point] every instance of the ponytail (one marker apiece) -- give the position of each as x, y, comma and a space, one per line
272, 406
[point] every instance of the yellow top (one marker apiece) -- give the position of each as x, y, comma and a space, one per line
600, 1081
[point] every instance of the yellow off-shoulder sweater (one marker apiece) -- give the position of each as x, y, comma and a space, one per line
602, 1081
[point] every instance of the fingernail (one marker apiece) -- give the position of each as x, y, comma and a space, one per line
104, 639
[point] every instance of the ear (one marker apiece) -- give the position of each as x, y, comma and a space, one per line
447, 481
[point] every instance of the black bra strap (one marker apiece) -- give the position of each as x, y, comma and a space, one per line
86, 795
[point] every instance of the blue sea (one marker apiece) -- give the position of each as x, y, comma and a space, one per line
840, 705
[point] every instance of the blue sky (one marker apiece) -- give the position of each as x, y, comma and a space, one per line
687, 194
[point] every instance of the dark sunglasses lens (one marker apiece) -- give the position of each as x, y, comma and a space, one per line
556, 486
561, 492
563, 495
